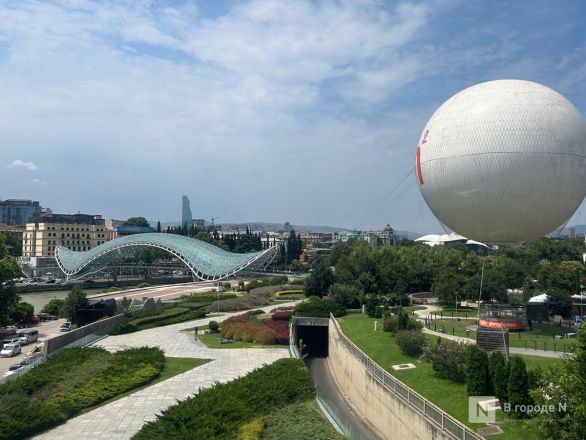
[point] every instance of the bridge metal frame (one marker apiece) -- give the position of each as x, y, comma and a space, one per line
117, 247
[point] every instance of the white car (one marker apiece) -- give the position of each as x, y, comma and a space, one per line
10, 350
13, 341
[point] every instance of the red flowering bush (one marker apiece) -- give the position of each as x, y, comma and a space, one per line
281, 328
249, 332
282, 315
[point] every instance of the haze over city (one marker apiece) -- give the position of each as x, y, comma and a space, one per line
307, 112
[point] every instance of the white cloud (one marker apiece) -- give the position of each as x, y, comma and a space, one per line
22, 164
39, 181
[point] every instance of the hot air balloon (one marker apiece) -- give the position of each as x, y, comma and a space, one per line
503, 161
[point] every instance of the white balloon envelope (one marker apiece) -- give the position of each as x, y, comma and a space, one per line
503, 161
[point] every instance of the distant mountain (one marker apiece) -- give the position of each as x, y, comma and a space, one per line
279, 227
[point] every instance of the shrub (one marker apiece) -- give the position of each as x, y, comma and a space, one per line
112, 289
72, 380
282, 316
123, 328
518, 386
251, 430
477, 376
219, 412
249, 332
399, 322
411, 342
213, 326
281, 328
309, 424
448, 359
319, 308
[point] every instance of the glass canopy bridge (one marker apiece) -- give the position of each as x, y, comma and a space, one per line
206, 261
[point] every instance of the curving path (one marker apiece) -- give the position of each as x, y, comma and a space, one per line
422, 314
122, 418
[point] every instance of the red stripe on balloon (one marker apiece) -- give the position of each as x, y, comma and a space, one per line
418, 163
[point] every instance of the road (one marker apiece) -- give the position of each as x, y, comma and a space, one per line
163, 292
354, 425
46, 330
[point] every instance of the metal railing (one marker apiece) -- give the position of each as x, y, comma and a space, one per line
431, 412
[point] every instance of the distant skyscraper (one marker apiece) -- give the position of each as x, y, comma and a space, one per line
186, 215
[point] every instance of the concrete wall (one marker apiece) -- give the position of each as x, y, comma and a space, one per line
82, 335
392, 408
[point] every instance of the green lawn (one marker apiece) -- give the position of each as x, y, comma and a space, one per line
173, 367
462, 312
536, 340
449, 396
212, 340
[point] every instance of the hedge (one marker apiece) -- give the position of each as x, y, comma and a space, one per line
74, 379
319, 308
309, 423
220, 411
155, 318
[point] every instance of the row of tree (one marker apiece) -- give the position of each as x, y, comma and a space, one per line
451, 272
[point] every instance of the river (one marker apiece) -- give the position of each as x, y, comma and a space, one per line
39, 299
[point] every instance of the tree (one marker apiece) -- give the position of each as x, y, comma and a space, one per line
344, 294
76, 300
124, 304
319, 281
296, 266
21, 312
8, 299
8, 267
518, 386
54, 307
136, 221
477, 378
294, 246
214, 326
158, 226
565, 388
499, 375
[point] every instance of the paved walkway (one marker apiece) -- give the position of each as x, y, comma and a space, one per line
123, 418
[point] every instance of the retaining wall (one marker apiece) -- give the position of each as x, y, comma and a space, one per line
395, 410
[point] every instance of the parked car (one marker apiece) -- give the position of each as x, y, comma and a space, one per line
65, 327
12, 341
9, 283
21, 364
47, 317
10, 350
28, 336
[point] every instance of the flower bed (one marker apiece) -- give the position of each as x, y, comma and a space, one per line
247, 328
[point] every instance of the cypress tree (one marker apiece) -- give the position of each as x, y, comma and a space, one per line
518, 386
499, 375
477, 378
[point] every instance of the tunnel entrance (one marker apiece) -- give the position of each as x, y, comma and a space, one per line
312, 333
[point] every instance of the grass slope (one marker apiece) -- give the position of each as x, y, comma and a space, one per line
449, 396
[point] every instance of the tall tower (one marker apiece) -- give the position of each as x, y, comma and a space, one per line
186, 216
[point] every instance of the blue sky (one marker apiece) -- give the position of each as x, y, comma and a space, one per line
298, 111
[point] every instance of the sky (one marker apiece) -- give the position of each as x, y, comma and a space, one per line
300, 111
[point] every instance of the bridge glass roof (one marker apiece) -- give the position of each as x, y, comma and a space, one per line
205, 260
